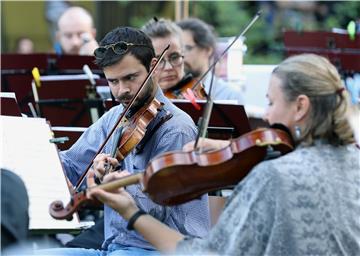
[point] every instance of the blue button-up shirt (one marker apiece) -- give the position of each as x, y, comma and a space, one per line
191, 218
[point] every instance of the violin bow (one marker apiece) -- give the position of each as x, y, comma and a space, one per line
121, 118
204, 120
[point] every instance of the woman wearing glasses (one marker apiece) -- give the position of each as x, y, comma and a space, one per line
171, 75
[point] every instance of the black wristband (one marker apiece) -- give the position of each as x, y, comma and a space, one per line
130, 225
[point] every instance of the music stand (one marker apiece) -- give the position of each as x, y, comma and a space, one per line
343, 52
9, 106
226, 121
72, 133
67, 100
16, 71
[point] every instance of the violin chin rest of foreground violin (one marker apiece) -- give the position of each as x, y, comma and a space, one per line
178, 177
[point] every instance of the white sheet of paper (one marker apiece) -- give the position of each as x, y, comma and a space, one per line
26, 150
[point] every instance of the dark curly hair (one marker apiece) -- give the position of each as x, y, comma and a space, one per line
129, 35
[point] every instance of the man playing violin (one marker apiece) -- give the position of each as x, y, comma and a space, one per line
126, 55
199, 46
303, 203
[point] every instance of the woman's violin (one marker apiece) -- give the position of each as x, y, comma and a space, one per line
187, 83
178, 177
188, 175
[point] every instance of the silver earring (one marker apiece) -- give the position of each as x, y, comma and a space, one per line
297, 132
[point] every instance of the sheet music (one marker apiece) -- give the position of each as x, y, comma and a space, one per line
26, 150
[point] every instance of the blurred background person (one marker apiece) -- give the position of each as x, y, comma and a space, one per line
15, 236
171, 75
24, 45
14, 210
76, 33
200, 45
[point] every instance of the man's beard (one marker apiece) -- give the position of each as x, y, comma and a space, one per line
141, 99
125, 99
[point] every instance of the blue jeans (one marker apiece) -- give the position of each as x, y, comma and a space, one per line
113, 250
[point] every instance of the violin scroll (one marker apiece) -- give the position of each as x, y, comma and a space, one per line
59, 212
79, 200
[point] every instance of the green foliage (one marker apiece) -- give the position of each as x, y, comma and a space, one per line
264, 40
344, 12
229, 18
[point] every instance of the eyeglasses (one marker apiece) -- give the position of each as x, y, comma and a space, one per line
119, 48
175, 59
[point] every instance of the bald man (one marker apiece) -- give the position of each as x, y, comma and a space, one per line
76, 32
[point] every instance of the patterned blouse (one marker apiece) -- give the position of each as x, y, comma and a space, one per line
304, 203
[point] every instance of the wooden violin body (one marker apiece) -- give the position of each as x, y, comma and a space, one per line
136, 129
177, 177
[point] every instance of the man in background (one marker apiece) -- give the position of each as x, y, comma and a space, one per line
75, 32
24, 45
200, 45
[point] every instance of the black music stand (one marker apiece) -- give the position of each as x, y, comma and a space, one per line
343, 52
9, 106
16, 71
226, 121
67, 100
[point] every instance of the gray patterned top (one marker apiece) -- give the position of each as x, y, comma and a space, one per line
304, 203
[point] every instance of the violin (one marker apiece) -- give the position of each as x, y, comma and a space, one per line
177, 177
136, 129
185, 84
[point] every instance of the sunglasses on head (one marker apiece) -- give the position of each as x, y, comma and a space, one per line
118, 48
